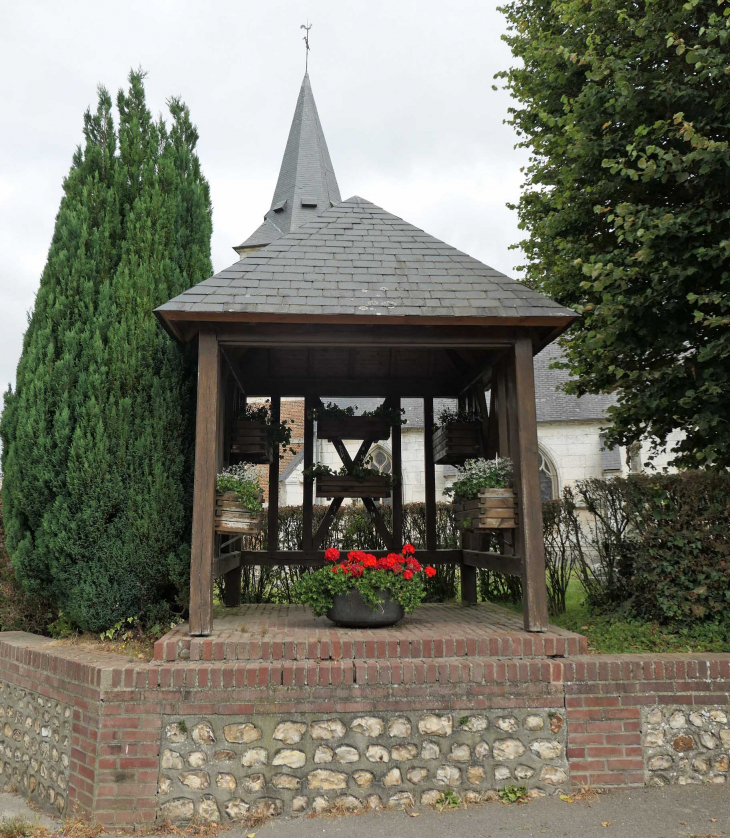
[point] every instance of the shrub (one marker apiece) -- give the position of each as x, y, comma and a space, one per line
563, 546
681, 569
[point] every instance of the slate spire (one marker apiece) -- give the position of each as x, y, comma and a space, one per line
307, 184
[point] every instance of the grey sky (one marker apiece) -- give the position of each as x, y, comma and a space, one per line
403, 90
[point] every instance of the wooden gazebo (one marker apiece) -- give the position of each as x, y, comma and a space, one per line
340, 299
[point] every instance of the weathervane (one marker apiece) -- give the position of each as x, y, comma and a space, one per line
306, 44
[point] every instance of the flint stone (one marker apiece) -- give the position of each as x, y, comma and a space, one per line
363, 778
683, 743
721, 763
508, 749
402, 800
460, 753
725, 736
546, 748
523, 772
393, 777
327, 780
654, 738
203, 734
417, 775
506, 723
677, 720
475, 723
299, 804
171, 759
269, 807
501, 772
349, 803
224, 755
432, 725
377, 753
207, 809
696, 719
553, 775
290, 732
534, 723
163, 787
368, 726
195, 779
178, 809
430, 797
320, 805
430, 750
709, 741
659, 763
196, 759
323, 754
481, 751
404, 752
241, 733
399, 726
226, 781
718, 716
701, 765
254, 756
175, 734
253, 783
374, 803
286, 781
475, 774
290, 758
346, 754
448, 775
327, 729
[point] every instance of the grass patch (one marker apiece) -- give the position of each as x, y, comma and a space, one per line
16, 828
617, 633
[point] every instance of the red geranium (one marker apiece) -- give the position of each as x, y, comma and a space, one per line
408, 574
331, 554
430, 571
408, 549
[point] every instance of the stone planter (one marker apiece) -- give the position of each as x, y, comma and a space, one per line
352, 427
232, 517
493, 509
250, 442
338, 486
457, 442
351, 611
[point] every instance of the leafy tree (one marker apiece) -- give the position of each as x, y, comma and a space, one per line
98, 434
626, 107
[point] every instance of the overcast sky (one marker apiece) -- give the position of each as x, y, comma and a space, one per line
403, 89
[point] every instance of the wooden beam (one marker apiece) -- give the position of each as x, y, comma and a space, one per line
326, 523
503, 426
525, 457
232, 579
315, 558
206, 469
397, 459
510, 565
273, 539
481, 401
429, 474
405, 387
308, 482
228, 563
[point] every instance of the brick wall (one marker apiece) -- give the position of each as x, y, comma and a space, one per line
631, 720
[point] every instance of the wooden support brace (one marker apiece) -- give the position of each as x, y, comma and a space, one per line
273, 528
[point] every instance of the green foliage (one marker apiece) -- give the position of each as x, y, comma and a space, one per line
243, 479
97, 436
513, 794
448, 799
448, 416
359, 472
331, 410
626, 206
480, 474
277, 433
318, 589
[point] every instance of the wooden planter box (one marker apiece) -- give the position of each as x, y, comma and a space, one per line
335, 486
457, 442
230, 516
352, 427
494, 509
250, 442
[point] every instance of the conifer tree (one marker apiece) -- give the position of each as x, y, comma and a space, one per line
98, 434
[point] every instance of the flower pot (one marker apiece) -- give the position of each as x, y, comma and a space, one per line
347, 486
352, 427
232, 517
351, 611
457, 442
493, 509
250, 442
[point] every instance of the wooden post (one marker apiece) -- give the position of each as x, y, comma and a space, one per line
308, 482
398, 483
523, 444
429, 474
232, 579
273, 540
206, 464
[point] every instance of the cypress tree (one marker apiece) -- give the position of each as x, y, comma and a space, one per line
98, 434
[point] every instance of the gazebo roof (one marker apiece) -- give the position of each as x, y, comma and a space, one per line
357, 260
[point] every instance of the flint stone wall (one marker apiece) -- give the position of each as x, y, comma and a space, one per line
35, 746
222, 769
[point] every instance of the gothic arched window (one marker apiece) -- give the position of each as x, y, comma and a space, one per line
380, 459
548, 477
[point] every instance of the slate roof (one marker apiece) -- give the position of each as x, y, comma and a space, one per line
357, 259
307, 183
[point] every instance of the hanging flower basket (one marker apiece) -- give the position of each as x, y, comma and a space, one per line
250, 441
349, 486
492, 509
231, 516
456, 442
362, 591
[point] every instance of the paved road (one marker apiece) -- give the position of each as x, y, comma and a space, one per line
677, 812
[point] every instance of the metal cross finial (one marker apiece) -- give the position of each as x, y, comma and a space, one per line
306, 44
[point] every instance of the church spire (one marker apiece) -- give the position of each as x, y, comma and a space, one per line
307, 184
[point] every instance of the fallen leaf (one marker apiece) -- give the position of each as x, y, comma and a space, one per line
250, 835
413, 814
566, 798
713, 820
606, 823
